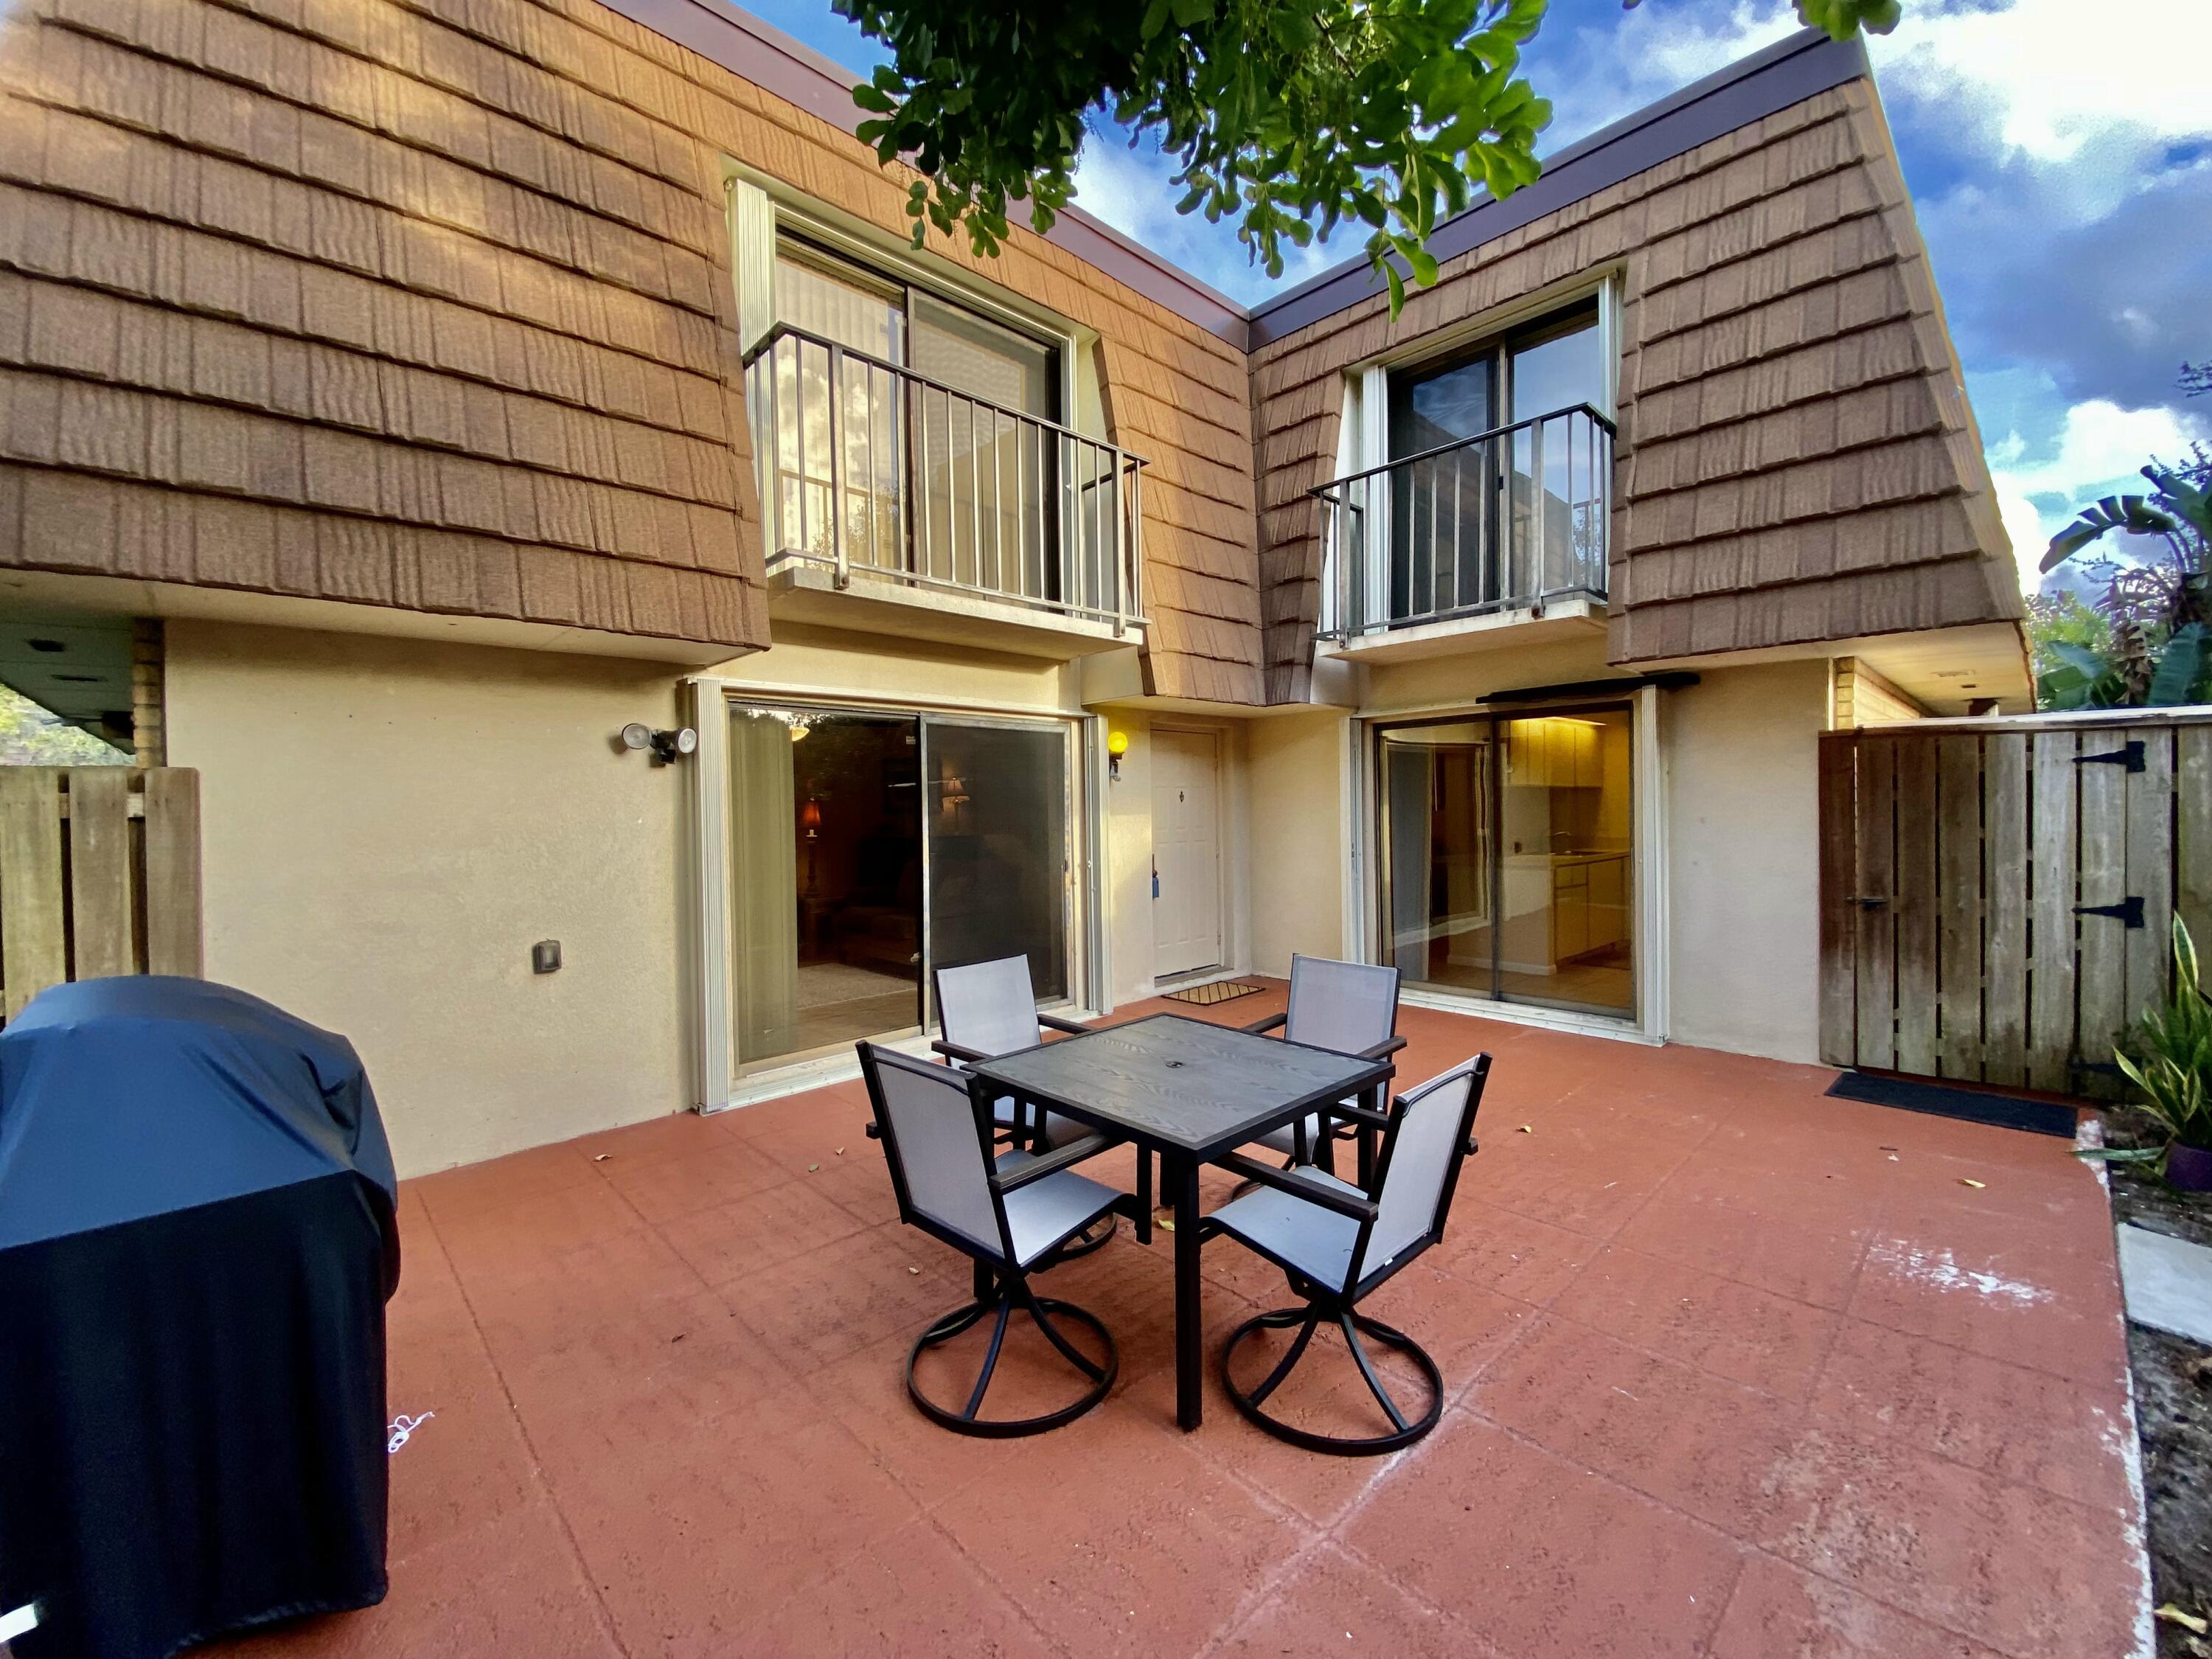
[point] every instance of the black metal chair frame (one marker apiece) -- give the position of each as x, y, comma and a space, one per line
1001, 1285
1340, 1307
1028, 1133
1324, 1155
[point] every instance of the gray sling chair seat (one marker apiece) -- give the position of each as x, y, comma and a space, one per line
1336, 1245
1013, 1213
986, 1009
1348, 1007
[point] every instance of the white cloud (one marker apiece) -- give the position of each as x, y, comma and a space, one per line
2053, 77
2098, 450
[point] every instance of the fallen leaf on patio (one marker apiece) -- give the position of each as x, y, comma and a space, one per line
841, 1151
1164, 1218
678, 1337
603, 1157
1526, 1130
1893, 1158
2172, 1614
914, 1270
1968, 1180
1885, 1149
811, 1168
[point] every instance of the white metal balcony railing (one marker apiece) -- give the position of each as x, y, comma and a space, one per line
866, 465
1507, 519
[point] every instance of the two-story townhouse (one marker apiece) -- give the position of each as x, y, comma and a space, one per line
414, 394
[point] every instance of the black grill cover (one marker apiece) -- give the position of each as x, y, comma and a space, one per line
197, 1242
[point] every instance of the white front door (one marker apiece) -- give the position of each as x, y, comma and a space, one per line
1186, 853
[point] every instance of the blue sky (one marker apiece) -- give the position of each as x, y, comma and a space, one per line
2059, 154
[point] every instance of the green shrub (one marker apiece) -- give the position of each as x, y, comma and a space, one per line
2167, 1054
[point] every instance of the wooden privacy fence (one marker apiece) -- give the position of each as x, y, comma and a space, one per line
1996, 900
100, 874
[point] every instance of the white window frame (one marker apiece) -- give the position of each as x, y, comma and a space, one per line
763, 209
718, 1081
1364, 429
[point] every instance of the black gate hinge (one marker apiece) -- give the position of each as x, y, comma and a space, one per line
2130, 910
2128, 754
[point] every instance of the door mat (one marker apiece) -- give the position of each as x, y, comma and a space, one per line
1222, 990
2042, 1117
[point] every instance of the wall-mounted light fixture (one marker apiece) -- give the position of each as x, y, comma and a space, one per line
1117, 745
667, 747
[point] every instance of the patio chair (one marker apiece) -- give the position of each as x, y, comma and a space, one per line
1348, 1007
1337, 1245
1013, 1214
986, 1009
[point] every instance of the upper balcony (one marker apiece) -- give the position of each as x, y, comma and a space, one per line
1493, 539
896, 503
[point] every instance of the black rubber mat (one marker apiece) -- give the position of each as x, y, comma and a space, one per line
2041, 1117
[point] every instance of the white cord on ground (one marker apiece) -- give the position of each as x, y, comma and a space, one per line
16, 1623
402, 1426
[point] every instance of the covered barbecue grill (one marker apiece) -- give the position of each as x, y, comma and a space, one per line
197, 1243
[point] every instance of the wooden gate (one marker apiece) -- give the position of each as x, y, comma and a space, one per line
100, 874
1995, 898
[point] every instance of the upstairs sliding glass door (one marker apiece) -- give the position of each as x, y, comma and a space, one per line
867, 847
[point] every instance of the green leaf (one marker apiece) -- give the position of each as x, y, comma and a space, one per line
2180, 667
2081, 659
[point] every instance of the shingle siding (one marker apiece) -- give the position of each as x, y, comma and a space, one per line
426, 303
1796, 461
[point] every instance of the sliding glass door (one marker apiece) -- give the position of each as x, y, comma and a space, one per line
1507, 863
866, 846
998, 848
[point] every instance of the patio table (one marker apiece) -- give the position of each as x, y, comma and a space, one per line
1189, 1091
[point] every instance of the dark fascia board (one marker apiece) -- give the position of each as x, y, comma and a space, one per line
1788, 72
1784, 74
1666, 680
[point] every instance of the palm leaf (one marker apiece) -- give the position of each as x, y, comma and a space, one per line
2132, 513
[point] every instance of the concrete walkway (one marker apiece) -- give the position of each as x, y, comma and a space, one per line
1736, 1370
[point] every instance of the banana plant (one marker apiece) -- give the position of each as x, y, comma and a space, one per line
2160, 613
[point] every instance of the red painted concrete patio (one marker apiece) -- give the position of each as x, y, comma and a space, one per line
1736, 1369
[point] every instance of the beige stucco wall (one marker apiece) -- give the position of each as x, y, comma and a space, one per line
1301, 874
1742, 762
816, 662
390, 825
1737, 755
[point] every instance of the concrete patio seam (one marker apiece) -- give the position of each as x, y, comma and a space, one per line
537, 1464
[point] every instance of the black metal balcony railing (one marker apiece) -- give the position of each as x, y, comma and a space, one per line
866, 465
1507, 519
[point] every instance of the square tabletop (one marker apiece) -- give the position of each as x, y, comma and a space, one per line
1181, 1083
